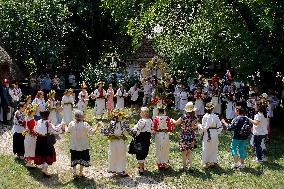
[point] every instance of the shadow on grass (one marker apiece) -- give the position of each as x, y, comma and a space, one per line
83, 182
51, 182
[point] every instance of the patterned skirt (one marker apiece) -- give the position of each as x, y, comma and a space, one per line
187, 140
80, 157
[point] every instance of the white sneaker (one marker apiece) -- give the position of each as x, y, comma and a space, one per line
235, 165
242, 166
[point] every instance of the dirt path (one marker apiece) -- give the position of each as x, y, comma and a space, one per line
62, 165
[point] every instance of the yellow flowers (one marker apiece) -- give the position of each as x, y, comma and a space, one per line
24, 133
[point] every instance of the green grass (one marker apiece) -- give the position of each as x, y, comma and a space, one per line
268, 175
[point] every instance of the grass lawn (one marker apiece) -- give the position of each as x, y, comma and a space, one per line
268, 175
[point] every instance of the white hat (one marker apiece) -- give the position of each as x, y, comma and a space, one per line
189, 107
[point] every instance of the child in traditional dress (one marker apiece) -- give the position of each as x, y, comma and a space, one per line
51, 106
18, 130
117, 147
59, 110
67, 104
40, 104
176, 94
199, 104
187, 141
79, 144
120, 95
210, 128
156, 101
162, 125
230, 109
99, 95
110, 102
142, 131
30, 137
183, 97
82, 104
134, 94
45, 153
84, 92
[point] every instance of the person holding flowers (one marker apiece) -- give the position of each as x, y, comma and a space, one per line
30, 136
187, 141
18, 131
40, 104
79, 144
67, 104
116, 132
99, 95
162, 125
84, 92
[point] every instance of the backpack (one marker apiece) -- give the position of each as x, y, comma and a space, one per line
246, 129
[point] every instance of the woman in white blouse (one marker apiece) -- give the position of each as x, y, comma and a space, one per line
79, 142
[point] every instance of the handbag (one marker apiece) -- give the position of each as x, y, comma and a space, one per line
50, 138
135, 147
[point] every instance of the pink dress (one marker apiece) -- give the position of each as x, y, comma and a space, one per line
110, 103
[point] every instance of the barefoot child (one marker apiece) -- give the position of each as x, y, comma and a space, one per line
162, 125
79, 144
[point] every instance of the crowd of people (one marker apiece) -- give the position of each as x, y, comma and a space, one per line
208, 106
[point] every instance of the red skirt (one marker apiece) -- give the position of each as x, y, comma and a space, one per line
44, 153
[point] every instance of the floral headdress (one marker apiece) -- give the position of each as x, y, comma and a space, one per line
30, 109
28, 97
51, 94
117, 113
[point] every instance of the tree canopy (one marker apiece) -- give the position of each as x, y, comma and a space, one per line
246, 34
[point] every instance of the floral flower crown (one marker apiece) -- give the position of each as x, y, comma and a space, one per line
30, 109
28, 97
117, 113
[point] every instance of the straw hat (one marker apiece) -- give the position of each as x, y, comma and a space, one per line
189, 107
100, 83
209, 106
83, 85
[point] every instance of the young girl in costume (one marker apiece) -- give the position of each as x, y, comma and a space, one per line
79, 142
199, 104
110, 102
45, 153
188, 123
230, 109
183, 97
40, 104
142, 130
162, 125
120, 95
82, 104
18, 130
67, 104
210, 128
99, 95
116, 132
59, 110
84, 92
31, 136
51, 106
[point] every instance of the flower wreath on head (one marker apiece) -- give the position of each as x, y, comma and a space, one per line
31, 108
28, 97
